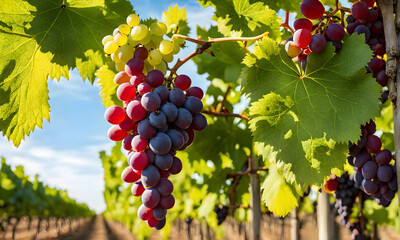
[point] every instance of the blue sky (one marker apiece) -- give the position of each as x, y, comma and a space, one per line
65, 152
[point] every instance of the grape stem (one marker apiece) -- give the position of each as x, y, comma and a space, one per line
225, 114
204, 45
285, 24
248, 171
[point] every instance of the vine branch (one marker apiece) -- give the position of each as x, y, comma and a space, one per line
248, 171
285, 24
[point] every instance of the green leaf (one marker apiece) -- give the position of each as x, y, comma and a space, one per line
207, 205
175, 18
44, 39
226, 64
244, 17
108, 88
301, 114
278, 195
287, 5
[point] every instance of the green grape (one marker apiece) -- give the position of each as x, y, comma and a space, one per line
115, 56
120, 66
166, 47
178, 40
150, 45
147, 67
168, 57
110, 47
124, 28
176, 49
146, 39
115, 31
133, 20
132, 42
162, 67
120, 39
106, 39
126, 53
158, 28
155, 57
139, 32
156, 39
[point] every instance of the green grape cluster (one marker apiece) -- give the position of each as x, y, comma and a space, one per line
127, 37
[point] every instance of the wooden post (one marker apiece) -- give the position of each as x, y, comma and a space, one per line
325, 219
255, 200
294, 225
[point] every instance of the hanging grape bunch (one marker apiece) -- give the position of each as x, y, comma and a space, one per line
160, 116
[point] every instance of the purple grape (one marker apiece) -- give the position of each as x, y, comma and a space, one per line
160, 224
159, 213
170, 111
199, 122
374, 144
176, 166
151, 101
164, 162
361, 158
361, 29
351, 27
160, 144
370, 127
155, 78
151, 155
176, 137
177, 97
137, 189
358, 177
377, 27
369, 186
383, 157
162, 92
317, 44
150, 176
144, 213
389, 195
393, 183
167, 202
383, 188
359, 10
158, 119
145, 129
385, 173
151, 197
193, 104
335, 32
369, 170
165, 187
134, 66
184, 118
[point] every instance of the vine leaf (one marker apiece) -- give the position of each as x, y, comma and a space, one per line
45, 39
108, 88
306, 117
175, 18
279, 196
245, 17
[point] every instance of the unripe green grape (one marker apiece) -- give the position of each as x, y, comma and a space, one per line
158, 28
178, 40
133, 20
155, 57
120, 39
166, 47
115, 56
146, 39
139, 32
115, 31
162, 67
168, 57
126, 53
124, 28
132, 42
110, 47
176, 49
150, 45
147, 67
156, 40
106, 39
120, 66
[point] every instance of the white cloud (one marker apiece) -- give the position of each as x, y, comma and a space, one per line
80, 172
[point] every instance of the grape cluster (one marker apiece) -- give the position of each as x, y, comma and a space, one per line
374, 173
125, 39
345, 196
222, 213
366, 19
159, 117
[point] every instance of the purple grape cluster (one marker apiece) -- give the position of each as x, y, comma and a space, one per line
156, 121
367, 20
374, 173
345, 196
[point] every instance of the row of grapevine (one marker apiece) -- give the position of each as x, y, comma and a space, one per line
21, 197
